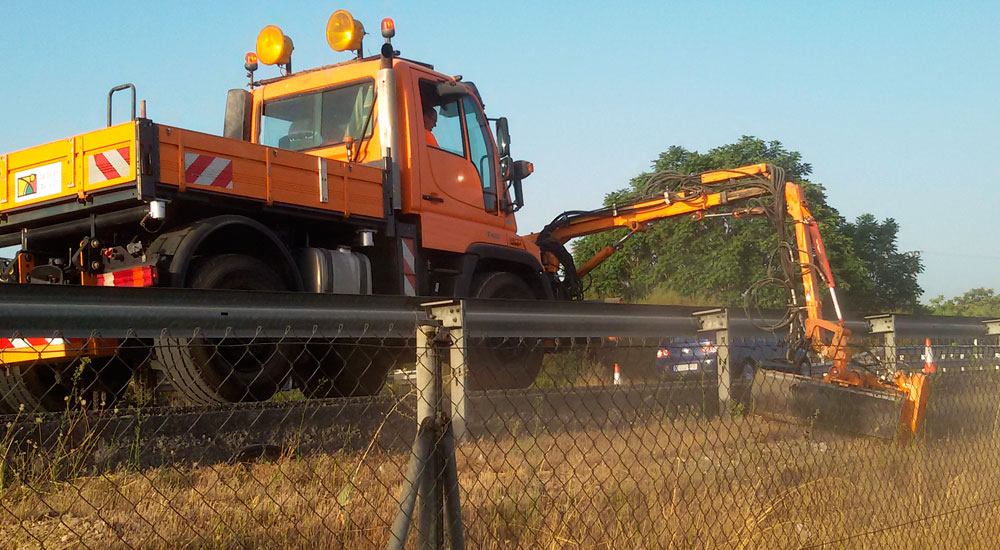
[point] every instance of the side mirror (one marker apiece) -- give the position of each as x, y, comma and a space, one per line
239, 110
505, 168
503, 137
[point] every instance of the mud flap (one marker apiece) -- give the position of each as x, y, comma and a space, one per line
812, 402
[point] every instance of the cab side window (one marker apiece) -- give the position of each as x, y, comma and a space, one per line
481, 151
447, 130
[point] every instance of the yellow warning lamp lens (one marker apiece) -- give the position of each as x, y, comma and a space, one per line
273, 47
343, 32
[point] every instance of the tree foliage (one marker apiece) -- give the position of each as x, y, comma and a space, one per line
978, 302
716, 260
891, 282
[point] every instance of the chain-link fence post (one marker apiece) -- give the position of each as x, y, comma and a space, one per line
430, 523
885, 325
717, 321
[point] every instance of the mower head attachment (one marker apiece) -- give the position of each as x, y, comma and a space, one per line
880, 410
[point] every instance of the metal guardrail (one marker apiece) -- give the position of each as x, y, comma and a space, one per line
79, 312
526, 319
144, 313
922, 326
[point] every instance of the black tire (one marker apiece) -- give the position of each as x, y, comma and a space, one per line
210, 371
499, 363
87, 382
33, 388
345, 370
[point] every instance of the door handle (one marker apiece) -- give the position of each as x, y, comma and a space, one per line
433, 198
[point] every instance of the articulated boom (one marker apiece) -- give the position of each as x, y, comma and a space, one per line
698, 196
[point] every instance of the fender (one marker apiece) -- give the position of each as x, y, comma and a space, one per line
483, 253
180, 246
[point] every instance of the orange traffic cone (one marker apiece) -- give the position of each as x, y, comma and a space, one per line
618, 375
929, 367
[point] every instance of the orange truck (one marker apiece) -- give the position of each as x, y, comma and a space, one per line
324, 180
376, 175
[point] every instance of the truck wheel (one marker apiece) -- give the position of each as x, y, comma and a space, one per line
53, 387
33, 388
208, 371
344, 370
503, 363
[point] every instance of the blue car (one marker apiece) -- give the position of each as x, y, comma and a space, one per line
693, 358
684, 357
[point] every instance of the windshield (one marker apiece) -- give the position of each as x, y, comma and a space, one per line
318, 119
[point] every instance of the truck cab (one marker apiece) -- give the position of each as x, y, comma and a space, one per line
450, 176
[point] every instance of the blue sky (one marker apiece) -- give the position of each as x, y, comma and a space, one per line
893, 103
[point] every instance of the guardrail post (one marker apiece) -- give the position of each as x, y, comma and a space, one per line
886, 326
717, 321
451, 315
993, 329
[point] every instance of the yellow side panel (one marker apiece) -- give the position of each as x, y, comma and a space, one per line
203, 163
69, 168
108, 157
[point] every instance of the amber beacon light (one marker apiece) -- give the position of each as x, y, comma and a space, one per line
343, 32
388, 28
273, 47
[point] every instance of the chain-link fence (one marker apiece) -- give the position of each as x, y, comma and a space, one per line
281, 437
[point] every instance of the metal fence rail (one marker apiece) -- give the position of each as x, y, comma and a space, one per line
525, 425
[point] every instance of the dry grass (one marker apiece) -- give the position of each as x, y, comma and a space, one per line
661, 483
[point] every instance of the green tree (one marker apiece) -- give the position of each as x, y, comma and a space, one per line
978, 302
892, 275
718, 259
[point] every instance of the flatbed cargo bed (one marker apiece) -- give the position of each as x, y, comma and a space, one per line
124, 166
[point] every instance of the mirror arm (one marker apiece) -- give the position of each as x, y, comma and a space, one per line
518, 198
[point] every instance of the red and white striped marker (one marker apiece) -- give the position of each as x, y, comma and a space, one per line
208, 170
31, 343
27, 350
929, 367
618, 375
109, 165
409, 268
133, 276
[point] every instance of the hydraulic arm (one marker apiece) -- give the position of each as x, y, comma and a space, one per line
738, 193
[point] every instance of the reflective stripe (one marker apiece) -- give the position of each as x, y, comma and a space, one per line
133, 276
35, 343
208, 170
108, 165
409, 269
